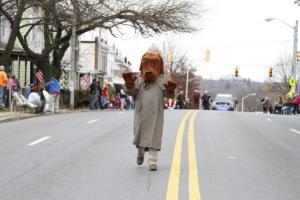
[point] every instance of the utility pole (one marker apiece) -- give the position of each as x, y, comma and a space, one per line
72, 77
294, 61
294, 65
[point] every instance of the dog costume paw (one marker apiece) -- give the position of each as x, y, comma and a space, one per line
129, 78
170, 88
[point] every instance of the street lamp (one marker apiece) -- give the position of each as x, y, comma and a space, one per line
243, 98
187, 83
294, 61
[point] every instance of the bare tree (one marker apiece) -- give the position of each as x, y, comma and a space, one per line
177, 54
14, 17
56, 18
180, 75
282, 72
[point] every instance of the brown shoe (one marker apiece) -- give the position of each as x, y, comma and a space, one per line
140, 159
153, 167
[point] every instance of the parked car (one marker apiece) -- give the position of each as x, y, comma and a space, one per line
223, 102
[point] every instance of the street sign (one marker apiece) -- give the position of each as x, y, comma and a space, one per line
290, 94
292, 82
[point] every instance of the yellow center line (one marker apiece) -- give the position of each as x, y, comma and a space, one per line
194, 190
173, 184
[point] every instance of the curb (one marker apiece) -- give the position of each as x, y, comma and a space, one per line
16, 118
9, 119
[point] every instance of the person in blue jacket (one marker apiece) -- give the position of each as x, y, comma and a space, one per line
53, 88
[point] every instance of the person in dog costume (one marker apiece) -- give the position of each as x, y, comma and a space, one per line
148, 89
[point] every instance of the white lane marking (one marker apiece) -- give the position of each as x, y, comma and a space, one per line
232, 157
92, 121
38, 141
294, 130
268, 119
121, 113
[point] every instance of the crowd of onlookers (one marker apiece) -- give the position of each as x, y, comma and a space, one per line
103, 98
35, 94
279, 106
46, 96
180, 102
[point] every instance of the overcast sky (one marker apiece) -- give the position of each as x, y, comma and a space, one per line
235, 32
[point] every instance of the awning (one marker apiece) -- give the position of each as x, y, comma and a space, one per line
114, 80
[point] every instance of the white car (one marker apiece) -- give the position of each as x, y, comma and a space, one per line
223, 102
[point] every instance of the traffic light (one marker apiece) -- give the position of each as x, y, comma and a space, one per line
170, 55
270, 72
236, 73
207, 55
298, 56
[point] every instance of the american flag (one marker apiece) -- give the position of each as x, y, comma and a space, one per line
86, 78
40, 78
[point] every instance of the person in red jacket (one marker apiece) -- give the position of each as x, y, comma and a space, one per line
196, 99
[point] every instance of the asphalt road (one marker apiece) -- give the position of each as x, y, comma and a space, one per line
205, 155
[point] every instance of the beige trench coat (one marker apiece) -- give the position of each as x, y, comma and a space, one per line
148, 113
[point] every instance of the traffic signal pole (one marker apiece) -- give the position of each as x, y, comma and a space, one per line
294, 63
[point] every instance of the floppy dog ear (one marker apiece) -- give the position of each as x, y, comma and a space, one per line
141, 61
161, 64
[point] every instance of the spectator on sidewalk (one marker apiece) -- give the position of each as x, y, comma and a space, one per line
100, 94
287, 108
187, 104
12, 86
35, 98
123, 99
278, 106
105, 96
196, 99
12, 83
3, 81
296, 105
205, 101
265, 104
94, 94
43, 100
118, 101
28, 89
180, 100
53, 87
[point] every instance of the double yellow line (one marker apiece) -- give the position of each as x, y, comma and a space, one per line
174, 178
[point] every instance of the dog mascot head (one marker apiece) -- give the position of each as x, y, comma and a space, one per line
151, 66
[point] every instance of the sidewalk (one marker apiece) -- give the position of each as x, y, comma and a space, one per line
6, 115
